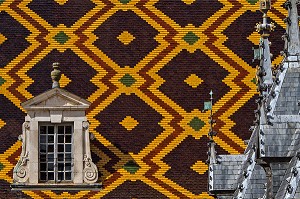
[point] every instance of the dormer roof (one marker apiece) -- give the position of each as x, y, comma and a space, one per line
56, 99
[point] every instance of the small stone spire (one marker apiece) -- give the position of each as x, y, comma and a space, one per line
55, 75
264, 74
212, 154
291, 37
265, 77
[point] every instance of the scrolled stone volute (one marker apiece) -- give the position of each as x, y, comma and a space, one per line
20, 172
90, 171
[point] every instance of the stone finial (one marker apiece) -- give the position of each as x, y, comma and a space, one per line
265, 28
265, 5
55, 75
265, 76
212, 155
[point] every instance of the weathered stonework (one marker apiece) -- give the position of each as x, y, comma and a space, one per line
55, 106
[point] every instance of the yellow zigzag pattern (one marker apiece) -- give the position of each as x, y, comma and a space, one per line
142, 94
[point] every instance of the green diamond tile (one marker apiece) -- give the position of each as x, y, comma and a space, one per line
252, 1
2, 81
253, 80
196, 123
125, 1
1, 166
127, 80
61, 37
131, 167
190, 38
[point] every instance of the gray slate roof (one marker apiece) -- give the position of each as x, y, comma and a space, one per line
227, 171
281, 139
274, 146
287, 103
257, 183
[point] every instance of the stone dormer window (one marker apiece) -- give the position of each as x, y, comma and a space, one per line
55, 143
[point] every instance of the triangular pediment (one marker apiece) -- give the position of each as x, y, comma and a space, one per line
56, 98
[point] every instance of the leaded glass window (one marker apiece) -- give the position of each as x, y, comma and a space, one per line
55, 153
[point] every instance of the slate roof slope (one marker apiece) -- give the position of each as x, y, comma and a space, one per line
246, 173
281, 139
290, 173
257, 183
278, 171
271, 164
287, 103
227, 172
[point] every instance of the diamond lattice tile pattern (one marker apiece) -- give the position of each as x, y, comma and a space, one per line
146, 67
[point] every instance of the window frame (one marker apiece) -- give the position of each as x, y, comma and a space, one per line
56, 153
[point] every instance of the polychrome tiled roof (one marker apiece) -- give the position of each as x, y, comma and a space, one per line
147, 67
